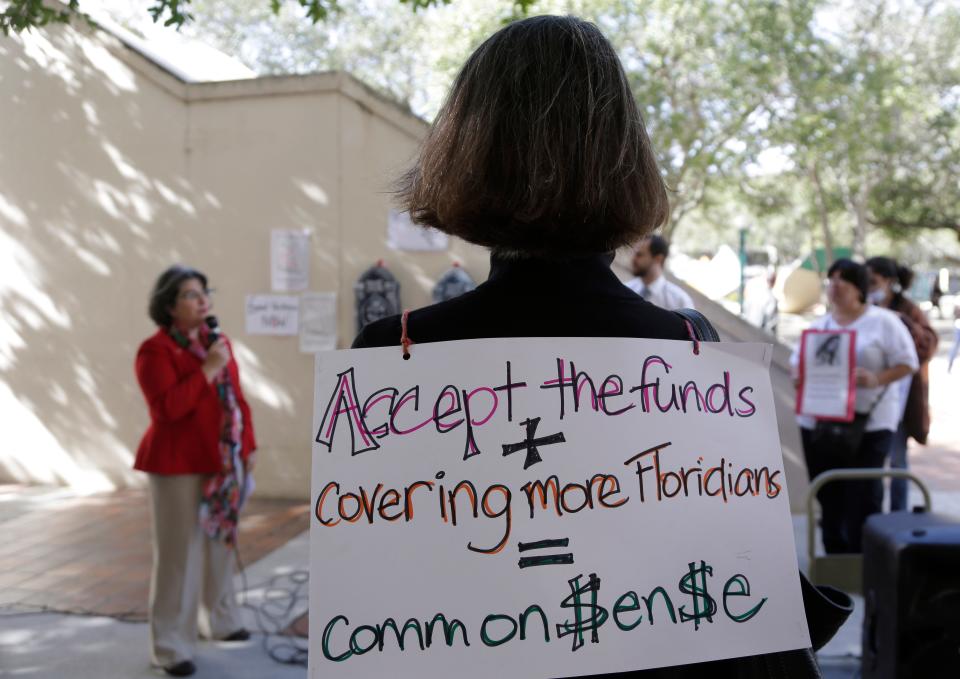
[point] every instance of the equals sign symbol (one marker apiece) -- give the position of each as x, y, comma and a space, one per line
548, 560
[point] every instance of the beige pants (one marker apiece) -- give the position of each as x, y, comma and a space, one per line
188, 568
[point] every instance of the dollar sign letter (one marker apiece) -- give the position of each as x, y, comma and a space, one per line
581, 623
704, 605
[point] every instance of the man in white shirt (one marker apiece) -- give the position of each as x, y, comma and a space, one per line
650, 283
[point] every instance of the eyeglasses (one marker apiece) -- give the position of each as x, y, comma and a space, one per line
193, 295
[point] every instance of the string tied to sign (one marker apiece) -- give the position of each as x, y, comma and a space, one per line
405, 341
693, 337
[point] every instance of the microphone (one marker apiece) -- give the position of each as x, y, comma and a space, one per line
214, 326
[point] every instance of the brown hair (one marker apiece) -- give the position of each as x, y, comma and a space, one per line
539, 147
163, 297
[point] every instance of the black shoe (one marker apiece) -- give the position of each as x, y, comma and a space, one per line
184, 668
239, 635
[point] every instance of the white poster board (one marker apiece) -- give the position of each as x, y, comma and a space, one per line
479, 500
272, 314
403, 234
289, 260
318, 322
827, 386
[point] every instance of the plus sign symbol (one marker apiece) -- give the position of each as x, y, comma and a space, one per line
530, 443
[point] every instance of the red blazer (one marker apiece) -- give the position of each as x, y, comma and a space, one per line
185, 411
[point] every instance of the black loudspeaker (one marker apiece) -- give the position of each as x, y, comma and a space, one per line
911, 593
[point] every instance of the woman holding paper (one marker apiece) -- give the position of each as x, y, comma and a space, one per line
888, 281
198, 453
884, 354
540, 154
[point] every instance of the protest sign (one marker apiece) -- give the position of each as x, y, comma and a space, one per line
827, 387
547, 508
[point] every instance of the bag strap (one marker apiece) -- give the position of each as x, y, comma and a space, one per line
876, 401
703, 330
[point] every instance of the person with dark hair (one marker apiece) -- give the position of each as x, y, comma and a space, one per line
198, 455
884, 355
888, 283
540, 153
936, 296
649, 261
523, 159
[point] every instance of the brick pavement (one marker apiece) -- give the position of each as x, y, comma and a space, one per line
91, 554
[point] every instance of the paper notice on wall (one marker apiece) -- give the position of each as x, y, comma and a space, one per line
403, 234
289, 260
318, 321
547, 508
272, 314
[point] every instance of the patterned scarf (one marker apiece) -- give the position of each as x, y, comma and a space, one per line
224, 492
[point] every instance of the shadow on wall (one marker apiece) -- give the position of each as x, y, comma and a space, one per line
96, 198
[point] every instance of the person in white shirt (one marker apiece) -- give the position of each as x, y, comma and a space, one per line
650, 283
885, 353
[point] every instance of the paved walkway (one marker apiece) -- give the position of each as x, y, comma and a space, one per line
92, 554
51, 645
74, 580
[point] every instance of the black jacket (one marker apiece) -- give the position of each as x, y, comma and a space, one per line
535, 298
540, 298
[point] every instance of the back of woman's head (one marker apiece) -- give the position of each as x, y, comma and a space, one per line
889, 268
540, 147
886, 267
905, 276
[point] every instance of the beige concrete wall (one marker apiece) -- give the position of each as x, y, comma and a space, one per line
110, 170
91, 189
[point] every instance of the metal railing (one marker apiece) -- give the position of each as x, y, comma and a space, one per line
845, 571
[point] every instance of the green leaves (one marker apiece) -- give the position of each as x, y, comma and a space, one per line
23, 14
317, 10
176, 9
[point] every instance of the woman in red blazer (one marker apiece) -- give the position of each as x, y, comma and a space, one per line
198, 454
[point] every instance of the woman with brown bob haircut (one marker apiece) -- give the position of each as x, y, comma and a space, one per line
540, 154
540, 148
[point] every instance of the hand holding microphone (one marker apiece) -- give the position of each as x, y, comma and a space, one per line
218, 353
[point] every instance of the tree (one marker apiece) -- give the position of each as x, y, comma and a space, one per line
892, 108
707, 83
920, 190
864, 115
